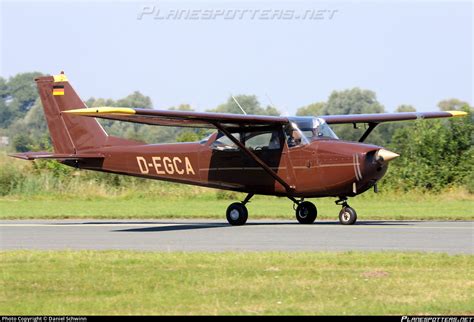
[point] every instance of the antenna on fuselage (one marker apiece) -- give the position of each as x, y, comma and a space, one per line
239, 104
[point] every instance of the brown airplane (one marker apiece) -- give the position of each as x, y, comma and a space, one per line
293, 157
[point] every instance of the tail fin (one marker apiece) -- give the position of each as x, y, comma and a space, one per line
69, 134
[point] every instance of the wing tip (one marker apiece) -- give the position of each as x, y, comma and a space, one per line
457, 113
23, 156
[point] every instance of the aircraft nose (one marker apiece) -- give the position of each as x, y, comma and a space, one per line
384, 155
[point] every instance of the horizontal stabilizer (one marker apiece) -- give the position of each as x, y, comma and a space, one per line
54, 156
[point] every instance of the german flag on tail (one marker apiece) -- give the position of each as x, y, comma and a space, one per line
58, 90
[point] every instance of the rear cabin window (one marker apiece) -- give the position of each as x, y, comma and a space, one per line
262, 140
268, 140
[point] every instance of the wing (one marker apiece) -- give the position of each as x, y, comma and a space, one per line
388, 117
178, 118
202, 119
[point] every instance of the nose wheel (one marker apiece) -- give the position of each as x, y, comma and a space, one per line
347, 215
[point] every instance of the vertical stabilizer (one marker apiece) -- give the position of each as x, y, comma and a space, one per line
69, 134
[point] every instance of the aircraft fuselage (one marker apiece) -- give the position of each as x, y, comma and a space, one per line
322, 168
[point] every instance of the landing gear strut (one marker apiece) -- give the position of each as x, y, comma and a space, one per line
306, 211
237, 213
347, 215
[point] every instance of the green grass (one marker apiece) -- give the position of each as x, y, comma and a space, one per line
385, 207
125, 282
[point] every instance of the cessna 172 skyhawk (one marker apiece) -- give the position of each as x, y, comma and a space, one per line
293, 157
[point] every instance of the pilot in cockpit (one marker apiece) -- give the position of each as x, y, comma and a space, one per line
294, 137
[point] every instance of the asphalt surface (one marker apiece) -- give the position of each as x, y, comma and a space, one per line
212, 235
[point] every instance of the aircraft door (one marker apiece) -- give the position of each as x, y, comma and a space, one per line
226, 162
302, 159
267, 145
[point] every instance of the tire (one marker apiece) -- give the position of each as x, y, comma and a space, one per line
347, 216
237, 214
306, 213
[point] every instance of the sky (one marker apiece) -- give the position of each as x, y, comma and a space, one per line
288, 53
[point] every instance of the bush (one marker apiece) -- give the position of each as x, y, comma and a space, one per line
470, 182
10, 178
434, 155
228, 195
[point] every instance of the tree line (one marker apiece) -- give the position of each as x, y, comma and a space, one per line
435, 154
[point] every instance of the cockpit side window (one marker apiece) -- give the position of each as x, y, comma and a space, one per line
294, 137
223, 143
322, 130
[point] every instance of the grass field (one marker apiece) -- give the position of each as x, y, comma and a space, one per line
122, 282
388, 207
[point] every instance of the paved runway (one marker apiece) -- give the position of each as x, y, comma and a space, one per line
213, 235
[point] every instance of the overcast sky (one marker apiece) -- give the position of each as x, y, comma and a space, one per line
407, 52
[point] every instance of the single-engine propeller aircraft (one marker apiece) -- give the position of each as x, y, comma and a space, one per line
293, 157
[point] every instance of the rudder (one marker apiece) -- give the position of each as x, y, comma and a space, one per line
69, 134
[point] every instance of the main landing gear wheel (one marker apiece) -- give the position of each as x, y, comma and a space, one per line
237, 214
347, 216
306, 212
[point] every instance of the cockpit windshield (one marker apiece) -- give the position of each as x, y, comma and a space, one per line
312, 128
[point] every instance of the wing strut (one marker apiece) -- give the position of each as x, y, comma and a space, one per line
368, 131
254, 157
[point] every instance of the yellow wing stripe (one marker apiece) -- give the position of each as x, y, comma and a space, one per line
457, 113
101, 111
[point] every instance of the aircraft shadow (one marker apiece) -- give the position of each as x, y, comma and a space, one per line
224, 224
115, 223
173, 226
